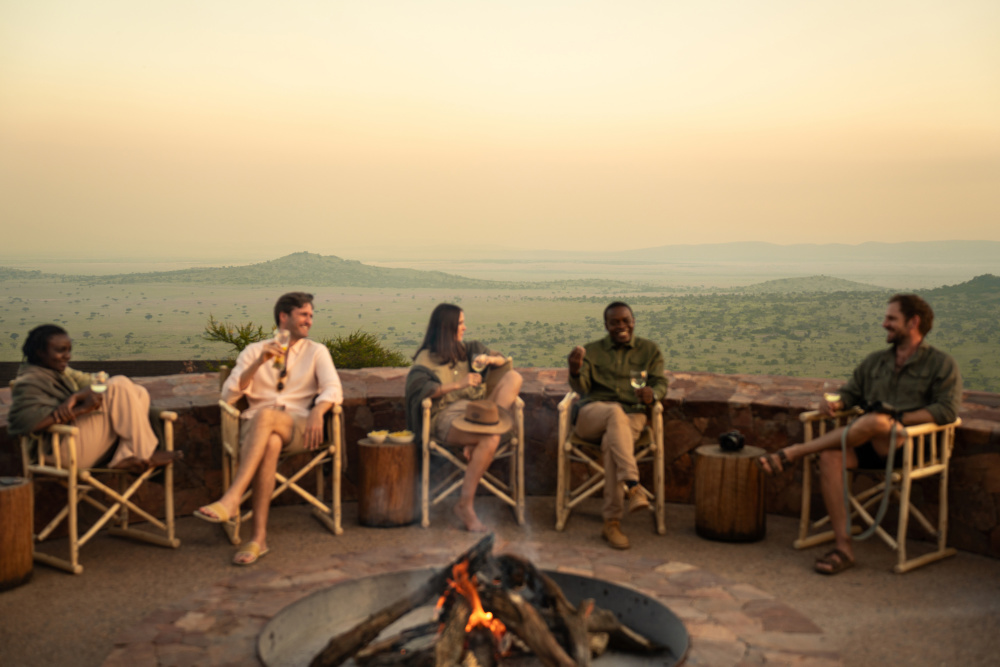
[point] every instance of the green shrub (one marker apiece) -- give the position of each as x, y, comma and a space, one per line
237, 335
362, 350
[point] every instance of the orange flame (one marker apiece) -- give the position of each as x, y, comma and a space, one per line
466, 587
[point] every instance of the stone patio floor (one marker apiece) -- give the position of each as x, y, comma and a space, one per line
742, 604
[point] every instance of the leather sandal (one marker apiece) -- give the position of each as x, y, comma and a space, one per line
218, 509
773, 463
836, 560
252, 552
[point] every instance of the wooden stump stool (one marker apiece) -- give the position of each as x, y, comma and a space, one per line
729, 494
16, 531
387, 490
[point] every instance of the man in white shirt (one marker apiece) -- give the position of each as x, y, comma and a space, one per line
283, 415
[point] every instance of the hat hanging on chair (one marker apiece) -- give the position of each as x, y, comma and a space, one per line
483, 417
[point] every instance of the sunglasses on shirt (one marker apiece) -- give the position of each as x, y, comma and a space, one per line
281, 378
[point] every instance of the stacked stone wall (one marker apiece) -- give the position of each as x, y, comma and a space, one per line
698, 408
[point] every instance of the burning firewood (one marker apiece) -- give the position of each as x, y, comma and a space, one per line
524, 620
342, 647
488, 608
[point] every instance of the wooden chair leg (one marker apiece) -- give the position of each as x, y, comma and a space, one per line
425, 486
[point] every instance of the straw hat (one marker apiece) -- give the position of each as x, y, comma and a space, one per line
483, 417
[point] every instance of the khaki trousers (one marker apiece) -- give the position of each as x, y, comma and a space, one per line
617, 431
124, 417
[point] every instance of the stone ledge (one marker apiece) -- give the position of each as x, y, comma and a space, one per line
698, 407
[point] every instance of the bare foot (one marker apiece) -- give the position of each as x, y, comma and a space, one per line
469, 518
132, 464
162, 458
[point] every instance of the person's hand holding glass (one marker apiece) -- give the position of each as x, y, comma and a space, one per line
282, 337
638, 381
99, 386
831, 399
483, 361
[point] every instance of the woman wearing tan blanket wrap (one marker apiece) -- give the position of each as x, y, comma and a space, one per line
47, 391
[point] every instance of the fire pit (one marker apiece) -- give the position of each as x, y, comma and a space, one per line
295, 635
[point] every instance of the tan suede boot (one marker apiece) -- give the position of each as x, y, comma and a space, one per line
613, 534
637, 499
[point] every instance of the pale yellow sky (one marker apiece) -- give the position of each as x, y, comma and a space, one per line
132, 127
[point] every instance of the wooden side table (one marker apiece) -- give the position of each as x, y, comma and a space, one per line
729, 494
388, 484
17, 537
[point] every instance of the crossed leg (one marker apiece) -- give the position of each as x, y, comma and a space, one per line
874, 428
268, 432
479, 451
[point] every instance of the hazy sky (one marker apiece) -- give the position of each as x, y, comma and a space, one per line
173, 127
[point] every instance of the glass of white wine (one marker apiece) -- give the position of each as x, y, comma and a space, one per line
480, 362
282, 337
637, 379
99, 385
831, 393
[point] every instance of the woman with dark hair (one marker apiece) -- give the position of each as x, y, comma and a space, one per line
447, 369
47, 391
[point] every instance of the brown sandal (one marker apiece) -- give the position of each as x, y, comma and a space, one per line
774, 463
837, 561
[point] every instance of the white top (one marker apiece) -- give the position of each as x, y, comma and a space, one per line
310, 373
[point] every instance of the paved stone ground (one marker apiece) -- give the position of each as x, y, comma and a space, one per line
743, 604
729, 623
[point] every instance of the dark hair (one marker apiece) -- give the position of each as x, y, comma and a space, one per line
442, 334
910, 305
288, 302
617, 304
37, 342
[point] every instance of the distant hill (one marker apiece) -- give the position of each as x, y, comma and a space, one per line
305, 268
822, 284
984, 285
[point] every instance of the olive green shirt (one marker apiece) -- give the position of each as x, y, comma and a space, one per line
604, 375
929, 380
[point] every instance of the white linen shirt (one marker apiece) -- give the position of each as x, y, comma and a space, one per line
310, 373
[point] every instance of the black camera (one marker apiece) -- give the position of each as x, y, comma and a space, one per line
881, 408
732, 441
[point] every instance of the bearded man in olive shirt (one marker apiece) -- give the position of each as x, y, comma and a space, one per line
611, 411
914, 382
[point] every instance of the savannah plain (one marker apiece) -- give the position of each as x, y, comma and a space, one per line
809, 326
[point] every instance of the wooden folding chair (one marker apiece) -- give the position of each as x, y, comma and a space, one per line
511, 448
330, 451
574, 449
926, 452
42, 458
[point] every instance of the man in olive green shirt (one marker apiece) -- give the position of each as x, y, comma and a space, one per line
914, 383
613, 411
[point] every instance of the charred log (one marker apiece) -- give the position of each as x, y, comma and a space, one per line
523, 619
345, 645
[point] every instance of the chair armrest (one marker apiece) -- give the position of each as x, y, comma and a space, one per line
567, 401
229, 410
168, 415
930, 427
63, 429
816, 415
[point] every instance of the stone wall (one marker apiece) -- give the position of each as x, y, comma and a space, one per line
698, 407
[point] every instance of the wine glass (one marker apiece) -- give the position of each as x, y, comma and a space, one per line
282, 337
480, 362
831, 393
637, 379
99, 385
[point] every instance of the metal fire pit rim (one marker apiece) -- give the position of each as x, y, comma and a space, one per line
679, 645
